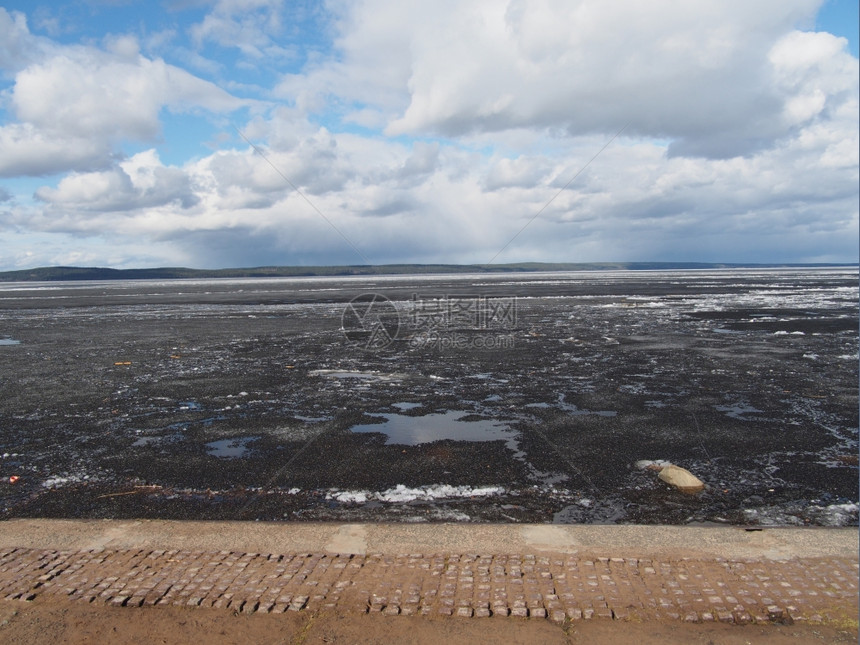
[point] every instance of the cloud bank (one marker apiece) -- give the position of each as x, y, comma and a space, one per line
434, 133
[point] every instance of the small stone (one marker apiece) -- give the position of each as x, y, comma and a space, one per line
743, 617
682, 479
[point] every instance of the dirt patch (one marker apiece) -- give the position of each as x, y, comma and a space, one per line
50, 621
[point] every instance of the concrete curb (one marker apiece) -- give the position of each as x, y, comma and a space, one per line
359, 539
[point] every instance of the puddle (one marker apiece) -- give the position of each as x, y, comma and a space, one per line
406, 406
9, 341
570, 408
155, 439
365, 376
738, 411
230, 448
145, 441
487, 376
411, 431
655, 404
189, 405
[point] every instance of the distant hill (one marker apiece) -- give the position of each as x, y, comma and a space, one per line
50, 274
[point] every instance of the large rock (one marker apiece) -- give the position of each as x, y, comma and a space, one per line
682, 479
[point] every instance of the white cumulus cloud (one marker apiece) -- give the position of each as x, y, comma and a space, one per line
74, 105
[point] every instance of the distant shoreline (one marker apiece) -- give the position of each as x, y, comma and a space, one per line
62, 273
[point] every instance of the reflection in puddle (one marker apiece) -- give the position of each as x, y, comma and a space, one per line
570, 408
411, 431
230, 448
145, 441
738, 411
353, 374
156, 439
406, 406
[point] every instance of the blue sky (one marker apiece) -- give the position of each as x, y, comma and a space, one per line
841, 18
420, 132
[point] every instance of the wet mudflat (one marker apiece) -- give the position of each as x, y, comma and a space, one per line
528, 397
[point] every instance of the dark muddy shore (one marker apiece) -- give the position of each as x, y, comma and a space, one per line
496, 398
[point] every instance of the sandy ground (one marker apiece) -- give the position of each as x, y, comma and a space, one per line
52, 620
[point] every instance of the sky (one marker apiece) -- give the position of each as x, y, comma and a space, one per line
237, 133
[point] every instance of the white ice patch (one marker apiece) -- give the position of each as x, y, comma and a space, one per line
796, 515
836, 514
448, 515
54, 482
401, 493
653, 464
350, 497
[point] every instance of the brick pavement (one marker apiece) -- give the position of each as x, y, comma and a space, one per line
558, 588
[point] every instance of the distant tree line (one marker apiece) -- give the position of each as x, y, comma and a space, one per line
50, 274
